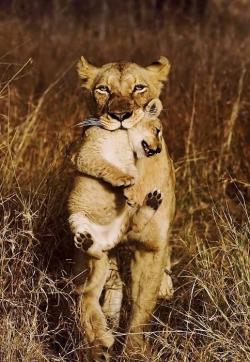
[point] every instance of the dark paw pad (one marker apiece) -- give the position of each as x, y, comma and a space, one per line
84, 241
154, 199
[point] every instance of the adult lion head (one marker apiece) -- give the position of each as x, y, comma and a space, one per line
122, 89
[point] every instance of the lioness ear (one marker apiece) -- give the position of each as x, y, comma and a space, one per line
154, 107
87, 72
161, 69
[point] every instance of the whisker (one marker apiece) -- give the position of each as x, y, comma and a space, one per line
89, 122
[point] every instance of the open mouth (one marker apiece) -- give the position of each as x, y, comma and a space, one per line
148, 151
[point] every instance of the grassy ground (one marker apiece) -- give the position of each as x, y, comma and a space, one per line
206, 114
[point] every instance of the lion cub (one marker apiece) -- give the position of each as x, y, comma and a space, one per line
109, 158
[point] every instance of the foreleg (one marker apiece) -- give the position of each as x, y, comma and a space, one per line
92, 319
94, 165
113, 294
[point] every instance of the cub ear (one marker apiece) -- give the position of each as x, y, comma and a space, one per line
87, 72
153, 108
160, 69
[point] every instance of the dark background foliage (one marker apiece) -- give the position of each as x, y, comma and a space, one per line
206, 118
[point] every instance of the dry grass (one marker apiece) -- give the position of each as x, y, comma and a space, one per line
207, 111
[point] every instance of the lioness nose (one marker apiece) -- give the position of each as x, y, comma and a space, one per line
120, 116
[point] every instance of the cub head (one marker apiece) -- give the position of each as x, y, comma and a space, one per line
146, 136
120, 89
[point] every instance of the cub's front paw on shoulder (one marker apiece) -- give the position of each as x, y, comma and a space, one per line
125, 180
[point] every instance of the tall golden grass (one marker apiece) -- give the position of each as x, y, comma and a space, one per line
206, 114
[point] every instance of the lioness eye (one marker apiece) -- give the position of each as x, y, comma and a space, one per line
139, 88
102, 89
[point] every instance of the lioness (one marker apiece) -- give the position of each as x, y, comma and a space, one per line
116, 153
117, 91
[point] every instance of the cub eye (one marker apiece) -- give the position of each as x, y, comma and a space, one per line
102, 89
157, 131
139, 88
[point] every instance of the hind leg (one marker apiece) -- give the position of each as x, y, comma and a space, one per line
147, 272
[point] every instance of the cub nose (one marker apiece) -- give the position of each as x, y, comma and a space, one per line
120, 116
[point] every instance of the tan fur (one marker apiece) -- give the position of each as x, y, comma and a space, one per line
110, 157
152, 253
120, 80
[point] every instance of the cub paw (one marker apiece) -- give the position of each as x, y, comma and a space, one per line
83, 240
154, 199
124, 181
129, 196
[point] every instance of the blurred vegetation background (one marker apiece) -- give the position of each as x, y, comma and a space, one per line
206, 117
